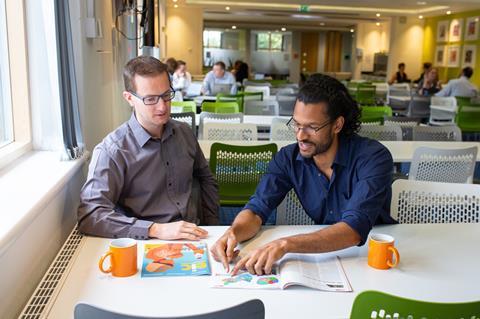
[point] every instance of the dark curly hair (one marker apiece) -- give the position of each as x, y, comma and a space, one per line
322, 88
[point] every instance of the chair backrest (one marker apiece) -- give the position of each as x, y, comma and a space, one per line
280, 132
286, 103
376, 305
253, 309
256, 88
445, 101
226, 97
256, 83
406, 123
208, 117
230, 132
282, 91
374, 113
187, 106
437, 133
419, 106
421, 202
365, 94
267, 107
381, 133
220, 107
443, 165
186, 117
238, 169
291, 212
468, 119
463, 100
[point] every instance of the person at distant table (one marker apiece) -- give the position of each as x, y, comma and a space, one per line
218, 75
341, 179
427, 66
400, 76
140, 181
181, 78
430, 84
461, 86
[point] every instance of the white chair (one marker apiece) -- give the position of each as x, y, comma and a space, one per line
443, 165
282, 90
266, 107
209, 117
419, 106
186, 117
253, 309
443, 110
286, 103
280, 132
254, 88
381, 133
406, 124
230, 132
398, 98
421, 202
437, 133
291, 212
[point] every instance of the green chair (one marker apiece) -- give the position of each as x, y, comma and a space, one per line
188, 106
376, 304
220, 107
277, 83
374, 113
468, 118
238, 170
252, 96
225, 97
463, 100
365, 94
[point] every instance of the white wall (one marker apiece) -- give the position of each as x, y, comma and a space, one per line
406, 45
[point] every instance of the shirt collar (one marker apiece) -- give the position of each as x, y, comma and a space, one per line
341, 158
142, 136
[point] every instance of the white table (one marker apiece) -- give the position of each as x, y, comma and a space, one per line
439, 262
262, 121
402, 151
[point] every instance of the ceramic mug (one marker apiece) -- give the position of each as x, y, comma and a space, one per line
123, 258
381, 250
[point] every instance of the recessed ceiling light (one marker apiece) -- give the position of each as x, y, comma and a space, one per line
477, 19
234, 27
227, 8
449, 12
420, 17
322, 23
421, 3
284, 29
174, 0
378, 15
175, 5
351, 30
378, 24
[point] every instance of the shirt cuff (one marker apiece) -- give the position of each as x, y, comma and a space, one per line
361, 225
139, 230
257, 208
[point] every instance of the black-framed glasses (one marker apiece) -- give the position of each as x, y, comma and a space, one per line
310, 130
153, 99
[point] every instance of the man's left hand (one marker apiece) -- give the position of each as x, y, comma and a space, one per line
261, 260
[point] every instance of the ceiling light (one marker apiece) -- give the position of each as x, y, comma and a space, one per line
322, 23
477, 19
227, 8
378, 24
175, 5
421, 3
449, 12
234, 27
351, 30
284, 29
174, 0
378, 15
420, 17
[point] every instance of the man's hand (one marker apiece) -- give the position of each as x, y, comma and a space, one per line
224, 249
177, 230
261, 260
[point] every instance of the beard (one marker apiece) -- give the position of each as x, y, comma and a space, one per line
315, 148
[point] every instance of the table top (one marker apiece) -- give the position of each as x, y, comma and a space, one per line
438, 263
259, 120
402, 151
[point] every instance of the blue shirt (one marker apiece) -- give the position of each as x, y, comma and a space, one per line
210, 81
359, 192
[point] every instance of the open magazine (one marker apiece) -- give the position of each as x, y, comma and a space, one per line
314, 271
175, 259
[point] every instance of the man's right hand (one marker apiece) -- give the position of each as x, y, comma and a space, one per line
177, 230
224, 249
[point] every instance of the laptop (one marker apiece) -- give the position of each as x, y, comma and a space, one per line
221, 88
193, 90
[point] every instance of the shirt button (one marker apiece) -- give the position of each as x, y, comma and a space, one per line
331, 212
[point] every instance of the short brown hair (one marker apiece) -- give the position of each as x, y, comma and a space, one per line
141, 65
221, 65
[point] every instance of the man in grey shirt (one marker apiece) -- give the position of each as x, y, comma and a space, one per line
140, 178
461, 86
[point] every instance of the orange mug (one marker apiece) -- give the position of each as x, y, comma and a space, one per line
123, 258
381, 251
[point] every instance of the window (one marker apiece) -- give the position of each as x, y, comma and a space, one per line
212, 39
269, 41
6, 121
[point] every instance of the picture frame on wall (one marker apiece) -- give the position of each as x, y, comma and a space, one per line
453, 56
471, 28
455, 33
469, 55
442, 31
439, 59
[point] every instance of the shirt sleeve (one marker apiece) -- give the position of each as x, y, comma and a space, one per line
233, 90
446, 91
206, 89
209, 188
272, 188
98, 213
371, 191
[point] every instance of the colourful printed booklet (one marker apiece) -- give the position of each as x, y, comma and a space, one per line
175, 259
314, 271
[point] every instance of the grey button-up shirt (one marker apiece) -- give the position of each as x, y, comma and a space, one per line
135, 180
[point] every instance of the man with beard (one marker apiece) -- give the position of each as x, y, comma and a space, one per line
341, 179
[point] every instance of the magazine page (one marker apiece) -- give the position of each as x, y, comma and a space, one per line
316, 271
175, 259
245, 280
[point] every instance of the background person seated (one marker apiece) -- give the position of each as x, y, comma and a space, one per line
181, 78
461, 86
218, 75
400, 76
430, 84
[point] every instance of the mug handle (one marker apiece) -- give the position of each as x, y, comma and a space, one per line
397, 257
100, 263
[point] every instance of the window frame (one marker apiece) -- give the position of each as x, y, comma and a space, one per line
269, 49
207, 45
6, 102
